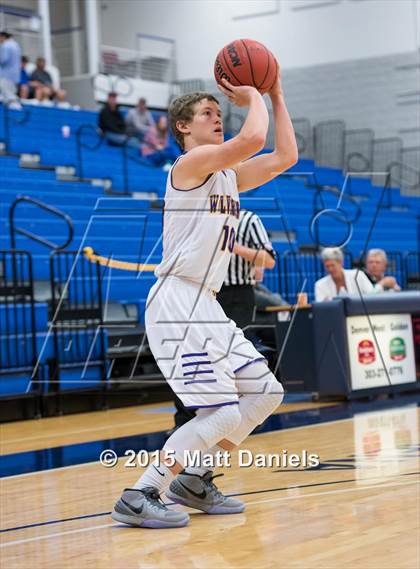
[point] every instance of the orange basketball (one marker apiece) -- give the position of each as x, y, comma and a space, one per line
246, 62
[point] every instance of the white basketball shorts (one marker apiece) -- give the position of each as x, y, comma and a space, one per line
196, 346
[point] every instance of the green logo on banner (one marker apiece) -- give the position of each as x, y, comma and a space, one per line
397, 349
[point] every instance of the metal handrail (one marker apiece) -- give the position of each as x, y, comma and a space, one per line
367, 161
138, 160
316, 136
359, 155
80, 145
402, 167
303, 142
113, 82
6, 122
319, 206
33, 236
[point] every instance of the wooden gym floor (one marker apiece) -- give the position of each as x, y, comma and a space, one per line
359, 508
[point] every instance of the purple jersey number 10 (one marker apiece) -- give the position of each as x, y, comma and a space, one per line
228, 238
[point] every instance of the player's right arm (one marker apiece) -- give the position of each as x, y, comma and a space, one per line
203, 160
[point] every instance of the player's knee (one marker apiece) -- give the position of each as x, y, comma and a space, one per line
219, 423
267, 402
233, 419
275, 391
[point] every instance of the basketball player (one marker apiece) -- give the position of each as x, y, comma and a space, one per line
203, 355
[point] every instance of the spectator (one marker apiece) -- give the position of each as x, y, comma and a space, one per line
376, 263
9, 66
339, 281
42, 82
25, 90
139, 120
158, 147
111, 122
157, 137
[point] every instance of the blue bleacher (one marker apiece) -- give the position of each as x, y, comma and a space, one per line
129, 230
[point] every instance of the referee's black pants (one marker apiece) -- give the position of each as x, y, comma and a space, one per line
238, 303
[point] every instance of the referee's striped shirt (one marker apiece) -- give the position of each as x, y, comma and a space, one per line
251, 233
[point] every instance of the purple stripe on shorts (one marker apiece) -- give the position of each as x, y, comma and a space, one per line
198, 372
200, 381
249, 363
196, 363
196, 354
214, 405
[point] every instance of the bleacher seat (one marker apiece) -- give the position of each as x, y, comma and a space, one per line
130, 229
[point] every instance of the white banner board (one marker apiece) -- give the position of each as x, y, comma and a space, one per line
391, 347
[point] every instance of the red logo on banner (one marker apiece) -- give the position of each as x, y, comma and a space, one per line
366, 352
372, 443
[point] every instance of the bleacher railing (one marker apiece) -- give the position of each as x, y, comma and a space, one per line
45, 207
18, 353
99, 140
304, 137
405, 176
80, 143
320, 209
152, 60
298, 273
104, 84
10, 117
76, 319
329, 143
358, 151
127, 156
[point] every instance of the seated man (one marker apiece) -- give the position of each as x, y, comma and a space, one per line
139, 120
42, 82
340, 281
376, 263
111, 122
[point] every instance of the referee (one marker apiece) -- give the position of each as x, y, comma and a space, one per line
252, 249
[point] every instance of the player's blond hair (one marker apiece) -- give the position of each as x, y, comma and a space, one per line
182, 109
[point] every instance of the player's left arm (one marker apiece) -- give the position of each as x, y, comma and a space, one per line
261, 169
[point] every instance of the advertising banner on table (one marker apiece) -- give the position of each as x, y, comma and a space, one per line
391, 347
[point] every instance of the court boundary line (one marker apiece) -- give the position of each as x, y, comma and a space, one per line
265, 491
254, 502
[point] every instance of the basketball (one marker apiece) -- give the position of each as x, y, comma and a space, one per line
246, 62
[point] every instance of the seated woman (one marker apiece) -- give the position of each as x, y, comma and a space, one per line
340, 281
158, 148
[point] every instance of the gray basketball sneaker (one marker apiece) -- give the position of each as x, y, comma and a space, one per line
144, 508
201, 493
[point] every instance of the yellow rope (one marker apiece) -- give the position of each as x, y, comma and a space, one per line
90, 255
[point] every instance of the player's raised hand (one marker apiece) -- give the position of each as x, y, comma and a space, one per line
240, 96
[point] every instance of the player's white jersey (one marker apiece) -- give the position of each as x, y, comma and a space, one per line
199, 229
